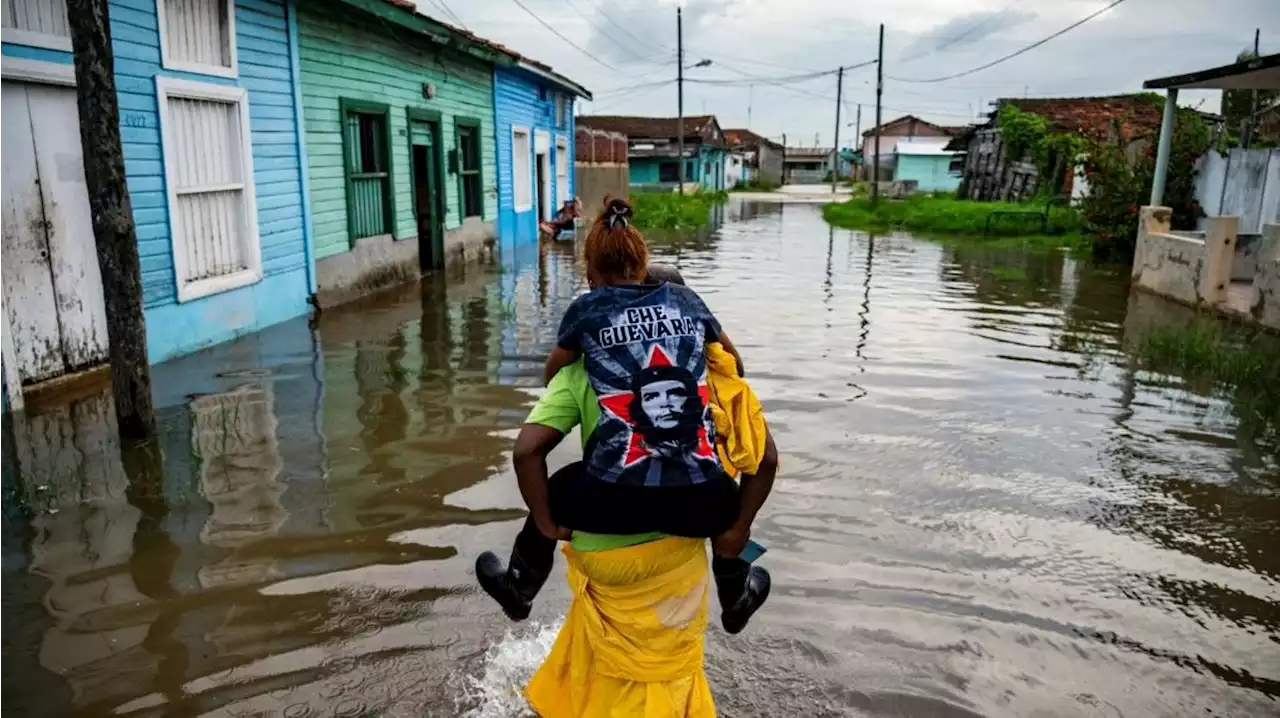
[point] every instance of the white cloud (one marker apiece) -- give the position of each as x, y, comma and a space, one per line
1138, 40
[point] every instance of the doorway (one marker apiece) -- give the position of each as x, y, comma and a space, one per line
543, 171
428, 205
53, 303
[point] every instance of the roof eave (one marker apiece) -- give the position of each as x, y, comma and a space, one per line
433, 30
1267, 69
555, 78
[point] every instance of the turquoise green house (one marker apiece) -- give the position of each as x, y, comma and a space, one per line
398, 113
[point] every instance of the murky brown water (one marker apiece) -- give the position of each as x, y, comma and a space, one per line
982, 510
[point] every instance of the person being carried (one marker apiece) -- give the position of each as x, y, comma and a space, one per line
565, 219
651, 466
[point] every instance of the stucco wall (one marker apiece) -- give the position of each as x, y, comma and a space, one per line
596, 181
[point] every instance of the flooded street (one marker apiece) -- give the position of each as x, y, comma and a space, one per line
982, 510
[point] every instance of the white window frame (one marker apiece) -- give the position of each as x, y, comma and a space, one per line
35, 39
39, 71
195, 67
529, 170
166, 88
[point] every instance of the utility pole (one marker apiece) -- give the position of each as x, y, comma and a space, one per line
875, 177
857, 135
114, 231
783, 178
835, 151
750, 91
680, 91
1253, 106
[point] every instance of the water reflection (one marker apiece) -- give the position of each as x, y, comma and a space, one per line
985, 508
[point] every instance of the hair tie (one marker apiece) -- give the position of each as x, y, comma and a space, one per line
618, 214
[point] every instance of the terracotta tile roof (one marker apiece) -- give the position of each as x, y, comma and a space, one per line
412, 7
890, 127
1137, 114
796, 153
746, 138
635, 127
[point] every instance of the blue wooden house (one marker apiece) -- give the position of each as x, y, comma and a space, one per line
212, 145
533, 117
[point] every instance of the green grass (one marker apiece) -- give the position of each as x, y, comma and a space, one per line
671, 210
1243, 363
947, 215
754, 186
1011, 274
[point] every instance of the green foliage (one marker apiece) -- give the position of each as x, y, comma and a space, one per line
946, 214
672, 210
1237, 105
754, 186
1026, 135
1230, 360
1119, 186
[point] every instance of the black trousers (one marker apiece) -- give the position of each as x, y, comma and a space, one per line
585, 504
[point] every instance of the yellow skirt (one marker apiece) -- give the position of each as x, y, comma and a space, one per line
631, 645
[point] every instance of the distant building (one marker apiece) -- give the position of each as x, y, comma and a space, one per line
905, 128
811, 165
927, 162
762, 157
653, 154
989, 175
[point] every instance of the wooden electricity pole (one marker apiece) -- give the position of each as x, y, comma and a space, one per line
680, 92
835, 152
114, 232
875, 176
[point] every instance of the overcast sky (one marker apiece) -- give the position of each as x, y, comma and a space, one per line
769, 39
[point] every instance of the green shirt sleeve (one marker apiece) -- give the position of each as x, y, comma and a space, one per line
560, 406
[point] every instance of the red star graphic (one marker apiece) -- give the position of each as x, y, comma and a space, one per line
619, 405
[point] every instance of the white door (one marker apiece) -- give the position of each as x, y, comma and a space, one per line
562, 172
52, 287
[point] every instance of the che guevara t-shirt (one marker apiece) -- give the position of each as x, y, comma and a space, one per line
644, 350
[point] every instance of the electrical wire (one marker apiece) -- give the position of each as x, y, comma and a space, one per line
957, 38
615, 101
621, 45
444, 7
1016, 53
567, 41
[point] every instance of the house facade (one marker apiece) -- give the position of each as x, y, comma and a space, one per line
927, 163
762, 157
902, 129
277, 153
653, 154
533, 117
400, 144
210, 132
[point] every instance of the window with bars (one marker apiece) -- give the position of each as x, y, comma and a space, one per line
559, 111
37, 23
366, 143
470, 189
208, 168
198, 35
521, 169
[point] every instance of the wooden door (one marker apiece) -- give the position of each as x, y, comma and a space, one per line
428, 204
52, 286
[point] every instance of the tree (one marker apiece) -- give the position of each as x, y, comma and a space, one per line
1238, 107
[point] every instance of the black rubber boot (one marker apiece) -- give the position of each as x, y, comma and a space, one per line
514, 587
735, 617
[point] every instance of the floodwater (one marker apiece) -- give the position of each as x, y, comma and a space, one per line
982, 510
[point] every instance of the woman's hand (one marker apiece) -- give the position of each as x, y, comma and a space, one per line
731, 543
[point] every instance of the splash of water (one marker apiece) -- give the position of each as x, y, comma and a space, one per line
498, 692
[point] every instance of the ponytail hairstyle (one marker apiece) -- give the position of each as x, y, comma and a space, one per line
615, 251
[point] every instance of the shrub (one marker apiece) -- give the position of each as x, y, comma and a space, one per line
672, 210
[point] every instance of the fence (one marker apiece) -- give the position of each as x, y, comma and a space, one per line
1243, 183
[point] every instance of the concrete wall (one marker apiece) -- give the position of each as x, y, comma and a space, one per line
1184, 268
769, 164
594, 182
1266, 282
930, 172
347, 55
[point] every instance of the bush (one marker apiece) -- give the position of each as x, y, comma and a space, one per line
754, 186
946, 214
672, 210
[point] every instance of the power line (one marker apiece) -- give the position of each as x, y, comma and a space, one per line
444, 7
957, 38
1012, 55
556, 32
603, 32
661, 46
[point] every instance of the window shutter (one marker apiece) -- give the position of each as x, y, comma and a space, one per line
198, 34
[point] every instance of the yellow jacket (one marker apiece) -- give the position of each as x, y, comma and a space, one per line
739, 418
632, 642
